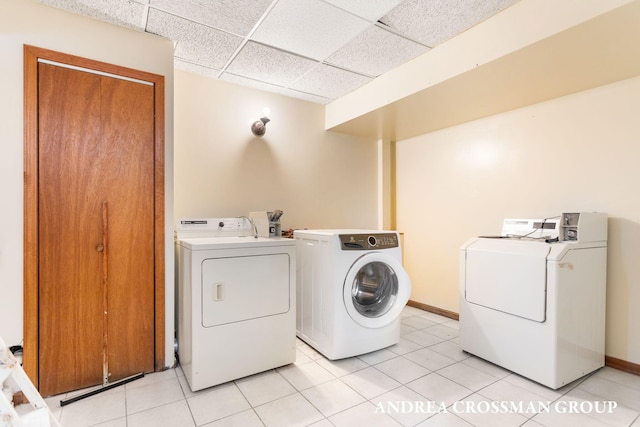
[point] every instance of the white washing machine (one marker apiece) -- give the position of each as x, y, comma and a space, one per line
351, 289
532, 300
236, 301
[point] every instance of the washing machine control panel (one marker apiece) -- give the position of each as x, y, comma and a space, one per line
368, 241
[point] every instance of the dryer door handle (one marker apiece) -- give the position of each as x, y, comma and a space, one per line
218, 291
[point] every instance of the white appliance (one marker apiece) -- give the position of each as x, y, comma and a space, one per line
236, 300
351, 289
532, 300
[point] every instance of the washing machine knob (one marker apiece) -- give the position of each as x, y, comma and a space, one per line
373, 241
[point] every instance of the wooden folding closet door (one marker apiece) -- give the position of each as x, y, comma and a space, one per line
96, 228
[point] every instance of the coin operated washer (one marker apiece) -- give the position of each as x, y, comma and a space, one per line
532, 299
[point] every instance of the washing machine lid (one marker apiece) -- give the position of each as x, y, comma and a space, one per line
376, 289
239, 242
508, 276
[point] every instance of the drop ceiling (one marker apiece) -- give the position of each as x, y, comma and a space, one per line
316, 50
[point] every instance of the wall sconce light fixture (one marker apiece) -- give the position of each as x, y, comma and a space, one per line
259, 127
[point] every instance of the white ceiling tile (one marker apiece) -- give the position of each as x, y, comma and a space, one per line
127, 13
330, 82
194, 42
376, 51
190, 67
256, 84
270, 65
234, 16
433, 21
309, 28
307, 97
369, 10
242, 81
355, 39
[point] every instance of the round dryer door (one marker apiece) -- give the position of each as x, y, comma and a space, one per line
376, 289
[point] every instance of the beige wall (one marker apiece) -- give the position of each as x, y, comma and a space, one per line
319, 179
575, 153
29, 22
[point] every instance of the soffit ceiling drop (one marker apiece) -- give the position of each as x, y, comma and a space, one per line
316, 50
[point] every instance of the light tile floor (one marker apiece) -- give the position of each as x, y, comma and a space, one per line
425, 380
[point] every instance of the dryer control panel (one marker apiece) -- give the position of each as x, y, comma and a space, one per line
368, 241
569, 227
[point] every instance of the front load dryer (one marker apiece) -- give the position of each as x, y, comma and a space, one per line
236, 301
350, 290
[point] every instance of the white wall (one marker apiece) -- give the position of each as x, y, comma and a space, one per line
319, 179
575, 153
29, 22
